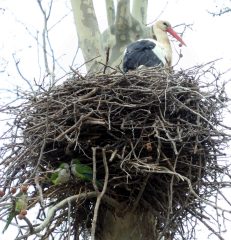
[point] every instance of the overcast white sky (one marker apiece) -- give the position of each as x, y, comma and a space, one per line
21, 22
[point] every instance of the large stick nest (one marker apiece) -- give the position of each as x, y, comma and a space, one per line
158, 132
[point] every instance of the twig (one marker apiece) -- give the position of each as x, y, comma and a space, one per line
36, 179
45, 38
141, 192
100, 195
31, 229
21, 75
82, 118
210, 228
94, 169
69, 220
107, 59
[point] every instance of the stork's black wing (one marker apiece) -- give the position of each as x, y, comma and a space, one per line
140, 53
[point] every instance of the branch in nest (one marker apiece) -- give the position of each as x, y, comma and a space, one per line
100, 194
53, 209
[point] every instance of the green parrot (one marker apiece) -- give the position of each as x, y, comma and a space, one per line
82, 171
61, 174
19, 203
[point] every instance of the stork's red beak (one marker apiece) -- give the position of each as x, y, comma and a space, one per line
175, 35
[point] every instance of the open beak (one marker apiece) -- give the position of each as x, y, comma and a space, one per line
175, 35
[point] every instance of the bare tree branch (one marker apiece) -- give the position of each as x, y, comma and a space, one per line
88, 31
123, 19
100, 194
221, 11
53, 209
46, 40
21, 75
139, 10
110, 12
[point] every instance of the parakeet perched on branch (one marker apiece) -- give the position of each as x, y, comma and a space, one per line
61, 174
82, 171
19, 203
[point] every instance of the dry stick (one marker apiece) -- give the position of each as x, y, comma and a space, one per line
109, 120
21, 75
77, 73
44, 36
69, 222
141, 192
161, 169
82, 117
113, 155
44, 142
225, 198
203, 200
169, 137
31, 229
107, 66
171, 193
100, 195
208, 226
196, 113
217, 213
40, 157
87, 95
155, 168
170, 197
107, 59
225, 126
36, 179
90, 60
19, 229
41, 124
95, 121
94, 169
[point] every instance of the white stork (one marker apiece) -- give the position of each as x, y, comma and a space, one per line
150, 52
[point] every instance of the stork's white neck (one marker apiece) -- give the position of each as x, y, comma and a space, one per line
163, 39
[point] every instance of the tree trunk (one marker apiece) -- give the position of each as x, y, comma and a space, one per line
124, 27
136, 225
89, 36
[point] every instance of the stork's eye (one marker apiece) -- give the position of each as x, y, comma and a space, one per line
165, 24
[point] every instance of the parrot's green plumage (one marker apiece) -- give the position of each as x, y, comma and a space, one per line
82, 171
61, 175
19, 203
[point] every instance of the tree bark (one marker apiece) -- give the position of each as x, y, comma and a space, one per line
136, 225
123, 28
110, 9
87, 29
126, 30
139, 10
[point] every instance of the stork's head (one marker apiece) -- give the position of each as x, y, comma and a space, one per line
165, 26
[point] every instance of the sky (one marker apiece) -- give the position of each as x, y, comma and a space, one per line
21, 24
